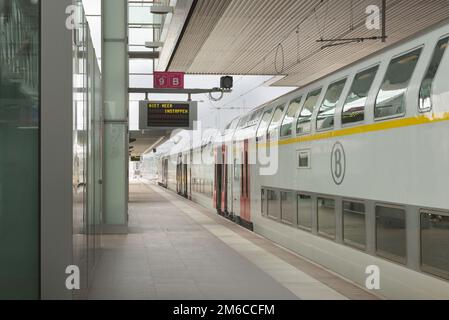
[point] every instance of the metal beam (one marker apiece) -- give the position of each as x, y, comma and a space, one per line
176, 91
144, 55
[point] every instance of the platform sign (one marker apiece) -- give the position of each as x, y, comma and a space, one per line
167, 115
168, 80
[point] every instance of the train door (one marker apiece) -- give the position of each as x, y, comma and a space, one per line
245, 213
179, 175
218, 181
165, 173
189, 176
224, 188
184, 178
230, 178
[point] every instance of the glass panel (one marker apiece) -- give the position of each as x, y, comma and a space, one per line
354, 224
325, 119
303, 124
19, 145
305, 211
326, 217
391, 233
264, 123
138, 36
288, 207
287, 124
435, 243
425, 100
354, 108
273, 204
391, 97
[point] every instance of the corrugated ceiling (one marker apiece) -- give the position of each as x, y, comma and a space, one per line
279, 37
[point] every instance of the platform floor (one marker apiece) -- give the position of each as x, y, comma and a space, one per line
179, 250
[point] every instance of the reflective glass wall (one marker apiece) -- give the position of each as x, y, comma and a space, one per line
87, 152
19, 149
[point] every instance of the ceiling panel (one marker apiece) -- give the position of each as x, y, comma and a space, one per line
280, 37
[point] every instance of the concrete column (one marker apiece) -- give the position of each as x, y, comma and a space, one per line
115, 99
56, 149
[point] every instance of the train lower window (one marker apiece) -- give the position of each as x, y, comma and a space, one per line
287, 123
391, 240
425, 92
326, 217
435, 243
273, 205
288, 208
354, 228
303, 123
326, 113
390, 100
263, 202
354, 108
305, 212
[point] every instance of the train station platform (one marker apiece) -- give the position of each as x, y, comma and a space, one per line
178, 250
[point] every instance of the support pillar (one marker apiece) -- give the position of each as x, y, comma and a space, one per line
115, 98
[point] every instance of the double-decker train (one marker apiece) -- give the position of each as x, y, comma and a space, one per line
351, 171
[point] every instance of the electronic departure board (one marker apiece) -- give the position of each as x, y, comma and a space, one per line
166, 114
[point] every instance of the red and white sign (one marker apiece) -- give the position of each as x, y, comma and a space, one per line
169, 80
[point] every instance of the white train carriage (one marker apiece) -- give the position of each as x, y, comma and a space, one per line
364, 168
358, 171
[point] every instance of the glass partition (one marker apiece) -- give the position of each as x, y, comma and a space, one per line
19, 145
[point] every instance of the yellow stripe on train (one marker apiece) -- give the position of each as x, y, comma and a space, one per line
379, 126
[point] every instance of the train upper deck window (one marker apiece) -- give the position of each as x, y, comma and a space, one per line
425, 92
325, 119
390, 100
391, 233
435, 243
287, 124
303, 124
276, 120
264, 123
354, 108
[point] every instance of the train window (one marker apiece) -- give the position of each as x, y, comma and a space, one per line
326, 113
391, 240
275, 121
263, 200
425, 92
390, 100
305, 212
303, 124
354, 108
435, 243
264, 123
287, 124
326, 217
304, 159
354, 232
288, 207
273, 205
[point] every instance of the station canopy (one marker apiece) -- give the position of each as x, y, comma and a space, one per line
266, 37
